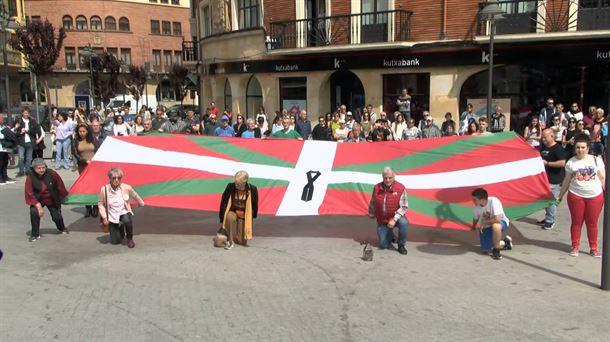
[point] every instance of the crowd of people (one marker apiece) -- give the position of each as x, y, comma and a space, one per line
571, 145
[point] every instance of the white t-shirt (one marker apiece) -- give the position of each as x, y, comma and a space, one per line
27, 128
585, 182
493, 208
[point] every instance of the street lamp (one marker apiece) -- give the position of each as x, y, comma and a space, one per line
89, 52
7, 22
489, 13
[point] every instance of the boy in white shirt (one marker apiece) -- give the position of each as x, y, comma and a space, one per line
489, 218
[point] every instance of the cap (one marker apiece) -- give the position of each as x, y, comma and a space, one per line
224, 118
349, 114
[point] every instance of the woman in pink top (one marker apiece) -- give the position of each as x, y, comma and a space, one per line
114, 207
585, 181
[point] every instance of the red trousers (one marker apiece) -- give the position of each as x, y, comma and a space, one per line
585, 210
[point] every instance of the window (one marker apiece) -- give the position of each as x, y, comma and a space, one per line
37, 18
419, 88
81, 59
96, 23
254, 97
70, 54
166, 27
154, 27
164, 1
228, 95
12, 8
156, 58
205, 21
166, 91
126, 56
110, 24
248, 13
167, 59
175, 2
293, 94
124, 24
178, 57
113, 51
177, 29
81, 22
68, 23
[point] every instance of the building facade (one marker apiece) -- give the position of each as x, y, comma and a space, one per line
147, 33
11, 61
318, 54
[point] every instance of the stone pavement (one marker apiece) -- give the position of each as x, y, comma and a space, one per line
301, 280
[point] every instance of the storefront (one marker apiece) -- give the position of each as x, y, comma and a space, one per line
440, 78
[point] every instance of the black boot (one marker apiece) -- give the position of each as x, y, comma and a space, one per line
87, 211
94, 210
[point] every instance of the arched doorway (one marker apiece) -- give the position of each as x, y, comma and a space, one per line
254, 97
346, 88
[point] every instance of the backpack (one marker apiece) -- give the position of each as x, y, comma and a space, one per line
10, 138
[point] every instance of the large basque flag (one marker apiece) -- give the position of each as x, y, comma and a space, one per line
191, 172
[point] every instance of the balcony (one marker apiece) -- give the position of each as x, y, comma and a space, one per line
189, 52
531, 16
361, 28
520, 17
593, 15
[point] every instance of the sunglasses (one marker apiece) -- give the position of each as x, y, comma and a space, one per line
116, 178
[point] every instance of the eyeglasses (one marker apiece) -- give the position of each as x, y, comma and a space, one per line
116, 177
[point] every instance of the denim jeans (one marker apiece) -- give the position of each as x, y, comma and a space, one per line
552, 209
62, 156
385, 234
25, 157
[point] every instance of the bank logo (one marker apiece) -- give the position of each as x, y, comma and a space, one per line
404, 62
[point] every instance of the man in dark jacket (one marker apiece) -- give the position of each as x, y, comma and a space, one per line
26, 128
321, 131
44, 187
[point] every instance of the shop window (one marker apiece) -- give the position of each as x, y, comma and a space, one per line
68, 23
124, 24
254, 97
96, 23
110, 24
418, 86
293, 94
81, 23
248, 11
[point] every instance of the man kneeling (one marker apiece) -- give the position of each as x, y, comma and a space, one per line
489, 219
389, 206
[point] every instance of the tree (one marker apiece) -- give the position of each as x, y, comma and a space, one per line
40, 46
105, 70
135, 81
178, 77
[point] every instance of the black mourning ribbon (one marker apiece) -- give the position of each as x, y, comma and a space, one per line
308, 189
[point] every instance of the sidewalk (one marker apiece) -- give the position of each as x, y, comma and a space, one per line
302, 279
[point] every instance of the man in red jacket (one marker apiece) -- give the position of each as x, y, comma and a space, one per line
44, 187
389, 205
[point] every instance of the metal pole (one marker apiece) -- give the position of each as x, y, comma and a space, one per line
91, 79
492, 28
6, 76
606, 233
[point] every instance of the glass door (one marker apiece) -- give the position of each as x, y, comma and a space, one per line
374, 19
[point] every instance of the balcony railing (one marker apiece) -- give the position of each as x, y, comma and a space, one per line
189, 52
375, 27
593, 15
